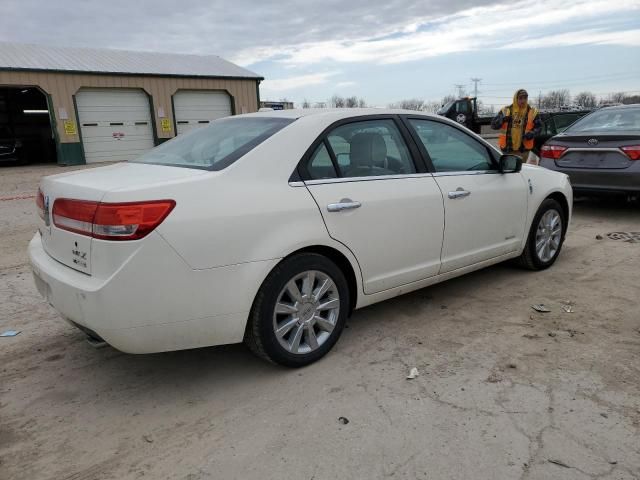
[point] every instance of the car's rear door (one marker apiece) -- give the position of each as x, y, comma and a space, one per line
485, 211
377, 201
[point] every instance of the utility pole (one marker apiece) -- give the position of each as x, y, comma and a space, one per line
475, 86
460, 87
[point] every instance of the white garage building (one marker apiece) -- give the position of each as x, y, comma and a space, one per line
110, 105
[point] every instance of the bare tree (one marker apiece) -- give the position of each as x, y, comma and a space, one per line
305, 103
362, 103
409, 104
337, 101
351, 102
585, 100
631, 99
556, 99
618, 97
485, 109
448, 98
431, 107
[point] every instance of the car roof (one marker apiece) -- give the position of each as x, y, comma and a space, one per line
621, 107
335, 113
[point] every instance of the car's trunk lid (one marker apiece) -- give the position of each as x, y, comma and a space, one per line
73, 249
595, 150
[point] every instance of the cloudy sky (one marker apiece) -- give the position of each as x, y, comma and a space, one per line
381, 50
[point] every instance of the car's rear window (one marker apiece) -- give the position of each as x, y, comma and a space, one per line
216, 146
608, 120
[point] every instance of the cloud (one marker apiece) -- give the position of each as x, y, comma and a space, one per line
292, 83
211, 26
628, 38
483, 27
345, 84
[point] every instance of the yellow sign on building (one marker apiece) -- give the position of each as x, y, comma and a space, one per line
166, 124
70, 127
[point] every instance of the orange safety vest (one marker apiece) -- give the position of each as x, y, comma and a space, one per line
504, 138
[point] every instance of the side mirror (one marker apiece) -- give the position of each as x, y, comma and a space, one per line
510, 164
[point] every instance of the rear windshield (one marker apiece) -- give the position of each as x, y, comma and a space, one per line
608, 120
216, 146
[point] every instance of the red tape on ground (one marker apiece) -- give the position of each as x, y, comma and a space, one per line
19, 197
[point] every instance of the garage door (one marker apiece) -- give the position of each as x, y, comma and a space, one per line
195, 109
115, 124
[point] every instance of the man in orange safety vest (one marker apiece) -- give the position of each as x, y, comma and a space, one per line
519, 123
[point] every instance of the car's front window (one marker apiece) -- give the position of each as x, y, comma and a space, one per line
450, 149
607, 120
216, 146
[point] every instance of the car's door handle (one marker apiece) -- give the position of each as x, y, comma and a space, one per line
459, 193
344, 204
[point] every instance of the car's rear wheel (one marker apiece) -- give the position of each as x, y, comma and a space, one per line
546, 236
299, 312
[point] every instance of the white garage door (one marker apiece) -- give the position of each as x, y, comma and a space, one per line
195, 109
115, 124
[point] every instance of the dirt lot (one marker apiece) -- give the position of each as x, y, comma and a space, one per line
504, 392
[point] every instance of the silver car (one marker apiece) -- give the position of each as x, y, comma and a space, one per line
600, 152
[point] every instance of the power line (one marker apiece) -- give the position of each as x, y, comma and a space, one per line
608, 76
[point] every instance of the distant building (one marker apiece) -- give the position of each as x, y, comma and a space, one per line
277, 105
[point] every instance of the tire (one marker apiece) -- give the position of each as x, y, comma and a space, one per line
304, 318
531, 257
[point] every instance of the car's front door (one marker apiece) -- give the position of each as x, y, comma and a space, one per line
375, 201
485, 211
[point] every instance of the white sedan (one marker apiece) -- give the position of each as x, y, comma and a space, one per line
271, 228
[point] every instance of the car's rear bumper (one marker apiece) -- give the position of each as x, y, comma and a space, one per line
154, 302
600, 180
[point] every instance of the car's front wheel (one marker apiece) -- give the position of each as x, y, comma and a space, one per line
546, 236
299, 312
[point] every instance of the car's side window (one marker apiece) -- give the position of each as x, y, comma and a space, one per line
320, 165
462, 107
547, 126
562, 122
370, 148
450, 149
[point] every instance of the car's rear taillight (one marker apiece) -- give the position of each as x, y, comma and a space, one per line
40, 203
110, 221
632, 151
552, 151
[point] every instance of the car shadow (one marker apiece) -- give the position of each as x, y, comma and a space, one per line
617, 205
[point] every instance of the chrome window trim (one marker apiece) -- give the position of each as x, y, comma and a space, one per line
326, 181
323, 181
455, 173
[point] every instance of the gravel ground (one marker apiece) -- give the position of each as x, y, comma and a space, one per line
503, 391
